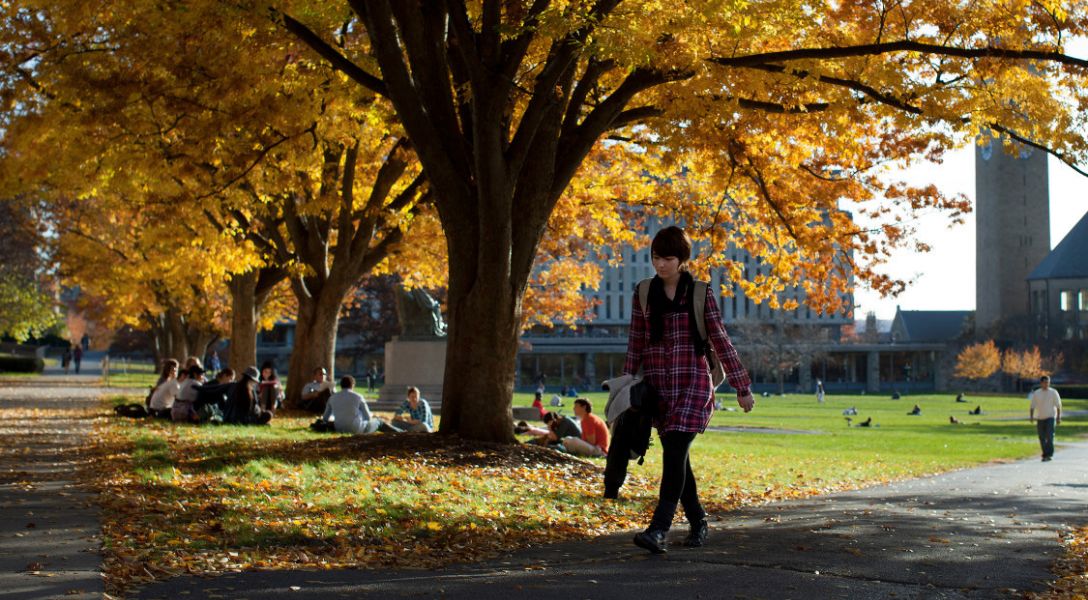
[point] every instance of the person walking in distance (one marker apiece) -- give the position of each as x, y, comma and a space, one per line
1046, 411
665, 345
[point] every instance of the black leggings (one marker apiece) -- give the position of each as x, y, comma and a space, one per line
677, 482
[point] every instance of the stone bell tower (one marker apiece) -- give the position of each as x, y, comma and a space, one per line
1012, 228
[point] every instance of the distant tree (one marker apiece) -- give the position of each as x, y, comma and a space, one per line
978, 361
1029, 365
371, 314
776, 346
27, 309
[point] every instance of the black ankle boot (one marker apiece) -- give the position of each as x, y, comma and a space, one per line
652, 540
697, 535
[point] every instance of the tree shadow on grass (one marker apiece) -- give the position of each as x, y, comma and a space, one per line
440, 450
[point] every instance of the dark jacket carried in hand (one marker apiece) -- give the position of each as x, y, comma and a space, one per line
631, 428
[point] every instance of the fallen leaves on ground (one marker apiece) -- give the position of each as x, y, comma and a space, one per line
1071, 569
179, 499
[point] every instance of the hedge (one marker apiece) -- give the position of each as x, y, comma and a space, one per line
1072, 390
21, 364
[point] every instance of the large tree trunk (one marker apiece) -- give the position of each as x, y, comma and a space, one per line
177, 344
315, 340
243, 321
159, 338
200, 340
481, 351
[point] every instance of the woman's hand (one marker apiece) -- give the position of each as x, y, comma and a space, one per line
747, 402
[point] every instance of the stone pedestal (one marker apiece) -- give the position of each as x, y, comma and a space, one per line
414, 361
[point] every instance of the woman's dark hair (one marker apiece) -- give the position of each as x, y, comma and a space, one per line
347, 382
269, 365
584, 403
672, 241
167, 365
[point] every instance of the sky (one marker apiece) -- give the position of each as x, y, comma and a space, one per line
944, 278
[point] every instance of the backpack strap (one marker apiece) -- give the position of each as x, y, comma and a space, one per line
644, 293
699, 300
717, 370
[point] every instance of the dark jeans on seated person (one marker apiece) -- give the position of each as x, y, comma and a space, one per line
317, 403
387, 428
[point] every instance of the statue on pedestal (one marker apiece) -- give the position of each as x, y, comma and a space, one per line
420, 315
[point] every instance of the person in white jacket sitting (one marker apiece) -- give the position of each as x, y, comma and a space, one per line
348, 411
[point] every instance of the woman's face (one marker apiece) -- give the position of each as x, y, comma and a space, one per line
266, 373
667, 267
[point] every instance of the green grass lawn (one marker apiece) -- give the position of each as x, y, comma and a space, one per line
138, 375
211, 498
896, 445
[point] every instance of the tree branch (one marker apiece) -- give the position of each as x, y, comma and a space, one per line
335, 58
751, 60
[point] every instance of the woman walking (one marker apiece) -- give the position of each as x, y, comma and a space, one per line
665, 343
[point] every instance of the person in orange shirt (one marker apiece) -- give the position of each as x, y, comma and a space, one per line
594, 440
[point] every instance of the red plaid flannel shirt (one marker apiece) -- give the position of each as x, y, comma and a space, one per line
674, 369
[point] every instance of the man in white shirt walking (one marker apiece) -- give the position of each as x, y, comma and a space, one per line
1046, 411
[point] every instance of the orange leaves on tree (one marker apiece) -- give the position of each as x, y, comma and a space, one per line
978, 361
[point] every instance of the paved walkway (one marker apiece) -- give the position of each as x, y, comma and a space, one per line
989, 532
49, 534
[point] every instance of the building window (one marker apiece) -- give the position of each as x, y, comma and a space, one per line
1082, 300
1066, 301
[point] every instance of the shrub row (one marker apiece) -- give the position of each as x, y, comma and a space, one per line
1078, 391
21, 364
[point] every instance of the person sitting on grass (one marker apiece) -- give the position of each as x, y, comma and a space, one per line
538, 403
269, 390
953, 420
184, 407
316, 393
213, 398
166, 392
914, 412
348, 411
977, 411
960, 398
559, 427
225, 376
244, 407
594, 438
419, 419
190, 362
